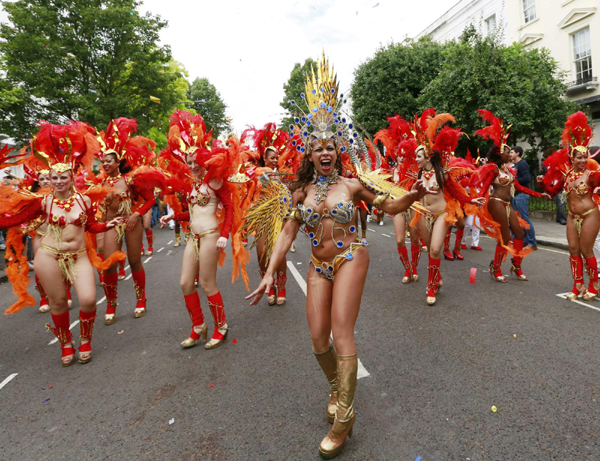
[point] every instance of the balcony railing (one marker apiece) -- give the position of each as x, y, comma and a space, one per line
585, 83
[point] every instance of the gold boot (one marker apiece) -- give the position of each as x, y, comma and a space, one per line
333, 444
177, 240
328, 362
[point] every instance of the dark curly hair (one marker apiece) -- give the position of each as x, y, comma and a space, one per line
306, 170
495, 156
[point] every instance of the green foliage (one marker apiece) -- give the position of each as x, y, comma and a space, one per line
90, 60
523, 87
391, 81
293, 88
207, 102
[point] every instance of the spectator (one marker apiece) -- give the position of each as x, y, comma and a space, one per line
520, 202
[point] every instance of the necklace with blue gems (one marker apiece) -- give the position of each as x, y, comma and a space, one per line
322, 184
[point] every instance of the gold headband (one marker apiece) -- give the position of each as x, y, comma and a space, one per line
61, 167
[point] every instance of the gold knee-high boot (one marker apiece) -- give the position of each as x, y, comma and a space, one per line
333, 443
328, 362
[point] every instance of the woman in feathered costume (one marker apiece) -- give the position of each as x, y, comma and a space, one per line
68, 216
498, 217
124, 158
439, 171
399, 142
571, 171
198, 169
324, 202
272, 145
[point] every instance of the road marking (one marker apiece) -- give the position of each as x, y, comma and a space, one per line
101, 301
128, 277
169, 242
564, 296
126, 268
8, 380
297, 276
55, 340
370, 230
362, 371
160, 249
554, 251
148, 259
385, 235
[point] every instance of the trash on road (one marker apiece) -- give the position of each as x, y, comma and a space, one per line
171, 421
45, 400
49, 387
234, 341
212, 385
494, 409
121, 332
472, 275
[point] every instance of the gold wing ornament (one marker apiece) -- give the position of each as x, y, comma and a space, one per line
268, 215
377, 181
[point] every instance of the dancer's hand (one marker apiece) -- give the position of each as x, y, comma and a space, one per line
419, 190
221, 243
132, 221
479, 201
546, 196
165, 219
263, 287
113, 223
540, 179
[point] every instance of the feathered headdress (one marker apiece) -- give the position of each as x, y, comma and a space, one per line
187, 134
446, 142
577, 134
268, 138
495, 132
118, 139
426, 133
65, 147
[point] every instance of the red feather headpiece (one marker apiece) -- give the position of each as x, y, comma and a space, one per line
118, 140
577, 134
495, 132
426, 128
268, 138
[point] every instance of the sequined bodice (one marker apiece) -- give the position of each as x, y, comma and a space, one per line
62, 222
575, 182
342, 212
504, 177
200, 198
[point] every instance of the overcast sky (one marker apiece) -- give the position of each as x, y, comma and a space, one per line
247, 49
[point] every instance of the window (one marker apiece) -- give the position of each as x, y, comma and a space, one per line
529, 10
490, 25
582, 54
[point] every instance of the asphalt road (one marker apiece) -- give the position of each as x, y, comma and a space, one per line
430, 377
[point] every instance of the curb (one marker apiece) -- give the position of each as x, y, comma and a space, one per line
554, 243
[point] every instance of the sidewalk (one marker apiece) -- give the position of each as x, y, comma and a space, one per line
550, 233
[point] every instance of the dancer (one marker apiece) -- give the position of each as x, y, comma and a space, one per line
198, 168
440, 170
124, 159
324, 202
68, 215
498, 217
572, 171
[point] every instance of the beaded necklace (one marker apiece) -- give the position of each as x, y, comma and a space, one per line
322, 184
111, 181
66, 205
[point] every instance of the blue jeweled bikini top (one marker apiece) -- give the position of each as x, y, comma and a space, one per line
341, 213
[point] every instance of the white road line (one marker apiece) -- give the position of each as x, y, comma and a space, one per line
160, 249
101, 301
169, 242
297, 276
55, 340
8, 380
128, 277
127, 267
370, 230
554, 251
148, 259
362, 371
385, 235
564, 296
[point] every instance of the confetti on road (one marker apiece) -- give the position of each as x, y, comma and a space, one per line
45, 400
472, 276
49, 387
212, 385
234, 341
515, 336
171, 421
418, 458
121, 332
494, 409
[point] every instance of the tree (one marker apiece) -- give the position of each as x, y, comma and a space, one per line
208, 103
90, 60
293, 89
523, 87
392, 80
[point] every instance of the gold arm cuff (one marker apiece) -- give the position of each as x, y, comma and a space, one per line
295, 214
379, 200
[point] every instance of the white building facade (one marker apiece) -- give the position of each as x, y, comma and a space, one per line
569, 29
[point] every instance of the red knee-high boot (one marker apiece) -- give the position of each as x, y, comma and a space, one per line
577, 272
280, 282
199, 328
217, 309
63, 334
433, 279
591, 266
456, 251
110, 291
44, 306
415, 256
517, 260
496, 264
447, 255
139, 283
403, 253
86, 327
150, 237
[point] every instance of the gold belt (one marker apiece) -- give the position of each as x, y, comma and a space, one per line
196, 240
430, 218
578, 219
506, 206
328, 269
66, 261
